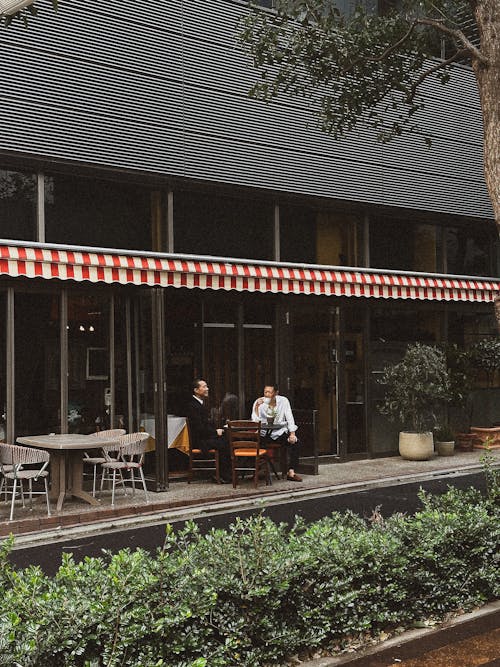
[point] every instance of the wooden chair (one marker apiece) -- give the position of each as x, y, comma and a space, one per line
198, 460
244, 443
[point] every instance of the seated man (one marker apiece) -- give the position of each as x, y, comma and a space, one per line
279, 407
205, 436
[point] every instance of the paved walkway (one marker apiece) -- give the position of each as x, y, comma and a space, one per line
469, 640
201, 494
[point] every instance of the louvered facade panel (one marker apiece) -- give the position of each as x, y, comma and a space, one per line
165, 91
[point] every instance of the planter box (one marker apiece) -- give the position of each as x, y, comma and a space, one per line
486, 437
464, 442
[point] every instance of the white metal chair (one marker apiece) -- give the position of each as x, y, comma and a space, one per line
13, 458
130, 458
96, 461
4, 487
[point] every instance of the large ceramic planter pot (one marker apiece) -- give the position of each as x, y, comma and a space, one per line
416, 446
445, 448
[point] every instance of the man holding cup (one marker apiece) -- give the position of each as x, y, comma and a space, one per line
274, 410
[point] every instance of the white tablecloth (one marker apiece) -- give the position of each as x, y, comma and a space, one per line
174, 426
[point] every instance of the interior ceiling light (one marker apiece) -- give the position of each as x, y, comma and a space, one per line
12, 6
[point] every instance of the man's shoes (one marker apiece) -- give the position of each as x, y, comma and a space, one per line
294, 478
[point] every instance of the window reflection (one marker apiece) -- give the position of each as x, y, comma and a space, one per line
18, 197
223, 226
37, 366
469, 250
92, 212
404, 246
88, 363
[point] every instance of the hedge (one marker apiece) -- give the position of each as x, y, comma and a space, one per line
255, 593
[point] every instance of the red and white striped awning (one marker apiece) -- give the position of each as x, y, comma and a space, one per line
158, 270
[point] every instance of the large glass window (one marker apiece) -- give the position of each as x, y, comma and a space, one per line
338, 239
37, 363
183, 347
18, 198
223, 226
392, 330
469, 250
403, 246
88, 363
258, 347
3, 369
297, 234
314, 368
320, 237
220, 348
92, 212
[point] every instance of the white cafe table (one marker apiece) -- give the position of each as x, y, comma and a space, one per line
66, 462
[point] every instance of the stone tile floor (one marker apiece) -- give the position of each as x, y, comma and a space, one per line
335, 476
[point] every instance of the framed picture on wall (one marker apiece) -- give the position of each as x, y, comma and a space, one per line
97, 363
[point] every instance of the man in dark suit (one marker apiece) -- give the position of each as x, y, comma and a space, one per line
205, 436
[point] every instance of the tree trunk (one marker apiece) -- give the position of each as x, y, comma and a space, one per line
488, 81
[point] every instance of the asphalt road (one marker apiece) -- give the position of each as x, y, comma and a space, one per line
397, 498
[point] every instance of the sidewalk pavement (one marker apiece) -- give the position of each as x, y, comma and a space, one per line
183, 500
467, 640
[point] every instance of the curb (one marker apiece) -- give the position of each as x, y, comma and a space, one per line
175, 513
356, 658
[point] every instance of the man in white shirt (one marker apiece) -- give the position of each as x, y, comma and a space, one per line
277, 407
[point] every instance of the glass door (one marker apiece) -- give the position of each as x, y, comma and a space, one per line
315, 370
259, 348
220, 351
354, 438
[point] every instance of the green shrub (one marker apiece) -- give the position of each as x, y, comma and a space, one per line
255, 593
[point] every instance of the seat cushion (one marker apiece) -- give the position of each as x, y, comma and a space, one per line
26, 474
94, 460
249, 452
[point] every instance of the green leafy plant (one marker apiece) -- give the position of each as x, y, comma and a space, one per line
417, 388
256, 593
443, 433
491, 474
485, 356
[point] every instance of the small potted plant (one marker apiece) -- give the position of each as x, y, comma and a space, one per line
444, 440
417, 389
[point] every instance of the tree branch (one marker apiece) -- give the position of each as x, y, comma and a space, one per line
384, 55
435, 68
457, 34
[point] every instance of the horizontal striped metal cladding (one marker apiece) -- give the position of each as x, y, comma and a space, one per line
169, 271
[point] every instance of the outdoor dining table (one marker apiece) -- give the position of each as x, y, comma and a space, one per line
66, 462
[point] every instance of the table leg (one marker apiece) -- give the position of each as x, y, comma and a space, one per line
75, 487
57, 478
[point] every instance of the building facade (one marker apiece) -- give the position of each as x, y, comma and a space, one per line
157, 225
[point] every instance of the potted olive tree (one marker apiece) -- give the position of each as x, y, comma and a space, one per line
417, 389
